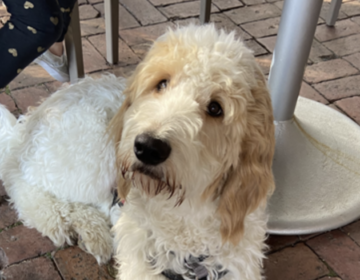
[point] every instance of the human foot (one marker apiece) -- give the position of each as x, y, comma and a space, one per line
55, 65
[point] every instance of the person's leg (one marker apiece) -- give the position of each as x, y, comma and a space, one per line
33, 27
66, 7
57, 48
54, 60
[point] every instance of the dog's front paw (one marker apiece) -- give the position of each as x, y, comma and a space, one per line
58, 232
93, 231
100, 246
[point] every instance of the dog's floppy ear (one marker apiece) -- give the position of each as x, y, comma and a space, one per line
248, 184
135, 84
115, 131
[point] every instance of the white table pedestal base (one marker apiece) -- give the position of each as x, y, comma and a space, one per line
317, 171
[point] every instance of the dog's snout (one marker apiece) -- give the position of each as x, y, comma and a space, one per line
150, 150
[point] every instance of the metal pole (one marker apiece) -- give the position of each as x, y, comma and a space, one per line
333, 12
112, 30
205, 10
74, 47
296, 32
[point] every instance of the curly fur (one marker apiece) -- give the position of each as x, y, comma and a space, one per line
208, 198
58, 166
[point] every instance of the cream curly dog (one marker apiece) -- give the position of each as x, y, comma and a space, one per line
195, 142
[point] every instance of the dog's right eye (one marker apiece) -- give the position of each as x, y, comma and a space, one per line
214, 109
162, 85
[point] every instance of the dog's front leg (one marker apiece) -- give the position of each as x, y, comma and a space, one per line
93, 229
134, 267
133, 248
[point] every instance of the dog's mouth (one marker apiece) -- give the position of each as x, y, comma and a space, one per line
148, 171
152, 181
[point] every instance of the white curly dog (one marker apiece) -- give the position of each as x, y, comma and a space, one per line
191, 150
58, 166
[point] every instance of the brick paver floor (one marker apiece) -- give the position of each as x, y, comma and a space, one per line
332, 77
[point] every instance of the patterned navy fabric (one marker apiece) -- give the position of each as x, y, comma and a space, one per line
33, 27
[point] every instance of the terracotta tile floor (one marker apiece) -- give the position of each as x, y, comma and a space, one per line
332, 77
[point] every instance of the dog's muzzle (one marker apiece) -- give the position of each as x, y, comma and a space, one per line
150, 150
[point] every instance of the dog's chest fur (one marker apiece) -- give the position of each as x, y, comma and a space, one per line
185, 227
167, 235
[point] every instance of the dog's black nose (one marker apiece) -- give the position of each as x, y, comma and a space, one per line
150, 150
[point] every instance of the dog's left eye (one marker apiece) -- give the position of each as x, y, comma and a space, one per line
214, 109
162, 85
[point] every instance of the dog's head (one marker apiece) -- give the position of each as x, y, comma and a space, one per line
197, 123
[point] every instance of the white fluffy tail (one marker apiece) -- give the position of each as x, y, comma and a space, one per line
7, 123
